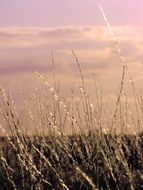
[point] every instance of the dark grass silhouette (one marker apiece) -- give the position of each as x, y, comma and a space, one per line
110, 162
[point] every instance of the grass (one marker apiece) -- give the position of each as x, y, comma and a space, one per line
92, 155
84, 161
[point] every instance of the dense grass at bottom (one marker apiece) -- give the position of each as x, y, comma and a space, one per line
81, 161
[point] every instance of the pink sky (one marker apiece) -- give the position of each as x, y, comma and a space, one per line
41, 13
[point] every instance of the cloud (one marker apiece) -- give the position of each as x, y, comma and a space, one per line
21, 37
24, 50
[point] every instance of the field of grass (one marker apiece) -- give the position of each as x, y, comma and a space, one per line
76, 143
85, 161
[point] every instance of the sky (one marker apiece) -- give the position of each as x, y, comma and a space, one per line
43, 13
31, 29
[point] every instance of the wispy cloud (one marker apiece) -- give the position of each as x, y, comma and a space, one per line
24, 50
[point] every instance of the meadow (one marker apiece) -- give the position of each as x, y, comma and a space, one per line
76, 143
